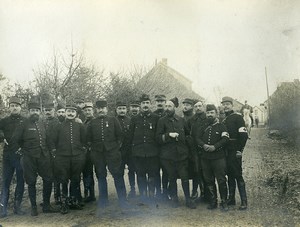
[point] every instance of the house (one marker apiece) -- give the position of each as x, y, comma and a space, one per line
162, 79
260, 113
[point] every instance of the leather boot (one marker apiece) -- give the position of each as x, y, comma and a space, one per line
223, 195
103, 193
34, 211
213, 199
242, 190
3, 211
17, 208
231, 187
64, 208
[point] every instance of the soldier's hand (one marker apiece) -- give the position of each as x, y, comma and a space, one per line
211, 148
239, 154
19, 152
173, 134
53, 153
206, 147
78, 120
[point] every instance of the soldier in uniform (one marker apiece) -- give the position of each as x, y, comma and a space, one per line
194, 123
145, 148
162, 179
68, 149
104, 137
124, 120
212, 140
11, 161
88, 170
235, 125
188, 113
29, 139
134, 108
50, 122
171, 134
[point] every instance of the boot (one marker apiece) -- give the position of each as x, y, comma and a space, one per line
195, 189
231, 187
64, 207
34, 211
213, 199
174, 202
131, 178
190, 204
242, 190
47, 208
121, 191
223, 194
47, 188
17, 208
3, 211
243, 205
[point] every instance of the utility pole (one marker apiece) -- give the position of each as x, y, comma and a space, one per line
268, 95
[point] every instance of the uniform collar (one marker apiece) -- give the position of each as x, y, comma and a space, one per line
188, 113
174, 117
145, 114
200, 115
228, 113
15, 116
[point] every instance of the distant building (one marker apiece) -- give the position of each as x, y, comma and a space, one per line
162, 79
260, 113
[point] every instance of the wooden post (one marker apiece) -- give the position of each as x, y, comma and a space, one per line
268, 95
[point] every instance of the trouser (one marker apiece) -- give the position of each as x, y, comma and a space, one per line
111, 159
147, 169
215, 169
9, 166
69, 168
131, 173
32, 167
235, 176
177, 169
88, 177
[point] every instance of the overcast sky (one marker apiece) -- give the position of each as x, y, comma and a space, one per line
222, 46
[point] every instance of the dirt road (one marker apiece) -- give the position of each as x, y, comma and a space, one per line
263, 208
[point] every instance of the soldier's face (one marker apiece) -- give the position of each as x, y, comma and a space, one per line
121, 111
49, 112
160, 104
70, 114
14, 108
227, 106
134, 110
102, 111
187, 107
211, 115
61, 114
34, 114
199, 107
145, 106
170, 108
88, 112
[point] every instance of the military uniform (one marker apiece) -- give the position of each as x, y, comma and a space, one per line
10, 164
214, 163
104, 137
174, 154
194, 123
235, 125
145, 150
88, 172
126, 153
30, 136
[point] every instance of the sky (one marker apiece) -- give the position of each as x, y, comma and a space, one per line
222, 46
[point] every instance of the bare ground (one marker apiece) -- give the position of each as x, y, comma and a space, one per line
266, 206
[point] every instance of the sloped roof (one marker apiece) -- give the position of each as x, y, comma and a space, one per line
162, 79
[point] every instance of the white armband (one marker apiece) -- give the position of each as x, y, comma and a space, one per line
242, 129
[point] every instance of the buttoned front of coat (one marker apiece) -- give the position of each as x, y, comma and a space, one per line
8, 126
214, 134
104, 132
172, 148
30, 136
142, 135
69, 138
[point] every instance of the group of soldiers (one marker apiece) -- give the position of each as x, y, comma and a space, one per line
72, 142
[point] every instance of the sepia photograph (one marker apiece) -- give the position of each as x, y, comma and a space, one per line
149, 113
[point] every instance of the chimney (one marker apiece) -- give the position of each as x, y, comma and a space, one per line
164, 61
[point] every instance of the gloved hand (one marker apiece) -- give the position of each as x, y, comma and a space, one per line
239, 154
173, 134
53, 153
